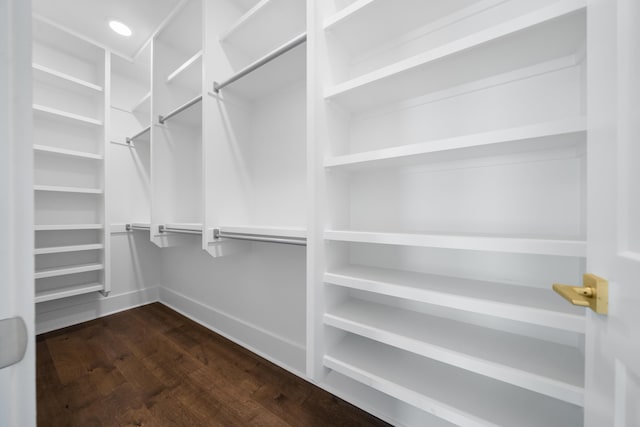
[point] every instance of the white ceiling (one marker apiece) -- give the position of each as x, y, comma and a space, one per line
91, 19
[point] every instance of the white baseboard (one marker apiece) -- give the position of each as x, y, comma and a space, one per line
276, 349
69, 315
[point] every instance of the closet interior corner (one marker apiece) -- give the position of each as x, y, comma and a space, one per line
374, 195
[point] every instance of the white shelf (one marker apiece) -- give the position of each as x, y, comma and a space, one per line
66, 115
518, 245
365, 24
65, 152
520, 303
64, 271
551, 369
551, 135
73, 248
67, 292
143, 105
458, 396
553, 32
524, 304
57, 189
298, 232
267, 25
188, 72
65, 81
68, 227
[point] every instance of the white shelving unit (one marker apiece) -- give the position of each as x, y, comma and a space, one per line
70, 99
446, 143
177, 87
256, 123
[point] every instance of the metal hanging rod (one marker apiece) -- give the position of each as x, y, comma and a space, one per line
287, 240
180, 109
137, 135
131, 227
262, 61
164, 229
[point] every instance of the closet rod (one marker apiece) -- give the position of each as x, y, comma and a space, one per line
131, 227
164, 229
262, 61
137, 135
180, 109
300, 241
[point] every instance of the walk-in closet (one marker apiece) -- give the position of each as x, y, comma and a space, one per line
382, 200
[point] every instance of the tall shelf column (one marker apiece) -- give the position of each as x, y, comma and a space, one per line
71, 97
448, 172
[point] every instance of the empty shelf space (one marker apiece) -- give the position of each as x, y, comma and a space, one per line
456, 395
523, 245
552, 135
65, 152
52, 188
66, 270
265, 26
296, 232
544, 367
68, 291
520, 303
364, 23
56, 78
63, 249
553, 32
67, 227
281, 71
187, 71
66, 115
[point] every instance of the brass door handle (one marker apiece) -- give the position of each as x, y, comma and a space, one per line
594, 293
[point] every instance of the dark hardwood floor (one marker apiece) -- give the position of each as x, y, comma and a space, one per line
151, 366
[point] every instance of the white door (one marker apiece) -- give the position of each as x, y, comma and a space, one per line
17, 381
613, 341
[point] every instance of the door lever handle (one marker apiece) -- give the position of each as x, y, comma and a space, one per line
594, 293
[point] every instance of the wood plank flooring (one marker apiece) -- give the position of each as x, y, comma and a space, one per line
151, 366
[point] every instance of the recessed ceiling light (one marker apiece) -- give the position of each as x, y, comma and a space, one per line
120, 28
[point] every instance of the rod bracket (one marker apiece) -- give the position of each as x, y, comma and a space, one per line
127, 227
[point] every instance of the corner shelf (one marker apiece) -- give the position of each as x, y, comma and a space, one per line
66, 115
65, 152
255, 33
64, 271
551, 135
525, 245
547, 368
64, 249
68, 291
57, 189
65, 81
455, 395
519, 303
552, 32
68, 227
